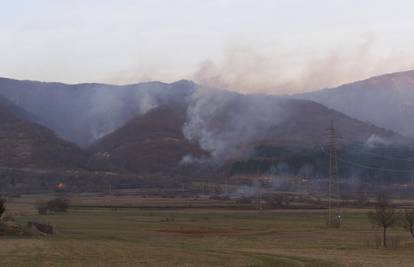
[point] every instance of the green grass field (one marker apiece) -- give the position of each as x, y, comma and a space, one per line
94, 236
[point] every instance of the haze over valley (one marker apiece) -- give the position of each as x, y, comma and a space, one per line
156, 127
232, 133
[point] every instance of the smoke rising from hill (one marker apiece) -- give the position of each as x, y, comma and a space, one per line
227, 124
85, 112
110, 108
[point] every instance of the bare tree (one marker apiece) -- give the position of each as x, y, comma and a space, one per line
408, 221
2, 207
384, 215
362, 197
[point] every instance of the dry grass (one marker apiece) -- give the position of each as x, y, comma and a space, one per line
198, 237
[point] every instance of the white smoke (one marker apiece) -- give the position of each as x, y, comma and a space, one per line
227, 124
110, 108
375, 140
145, 102
249, 68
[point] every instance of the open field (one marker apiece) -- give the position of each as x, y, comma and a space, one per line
90, 235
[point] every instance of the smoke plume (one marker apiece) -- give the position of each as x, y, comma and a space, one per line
109, 108
228, 124
249, 69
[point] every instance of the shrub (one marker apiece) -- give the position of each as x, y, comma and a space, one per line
53, 205
42, 208
42, 228
8, 216
11, 228
277, 201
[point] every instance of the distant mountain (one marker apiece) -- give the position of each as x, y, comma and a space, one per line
16, 110
82, 113
27, 145
220, 126
156, 127
307, 124
230, 125
149, 143
386, 101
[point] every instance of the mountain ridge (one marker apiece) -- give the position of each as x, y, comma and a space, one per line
385, 100
28, 145
181, 122
82, 113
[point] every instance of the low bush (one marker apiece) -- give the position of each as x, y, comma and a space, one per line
11, 229
42, 228
53, 206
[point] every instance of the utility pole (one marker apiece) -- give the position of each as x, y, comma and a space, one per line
259, 199
226, 188
333, 170
259, 191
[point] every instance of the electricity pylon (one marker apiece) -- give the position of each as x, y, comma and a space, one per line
333, 173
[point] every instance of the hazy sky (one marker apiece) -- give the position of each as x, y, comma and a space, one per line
258, 45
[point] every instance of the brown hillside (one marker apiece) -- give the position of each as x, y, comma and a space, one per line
307, 124
153, 142
27, 145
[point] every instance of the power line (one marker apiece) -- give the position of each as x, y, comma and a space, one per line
374, 168
367, 166
383, 157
